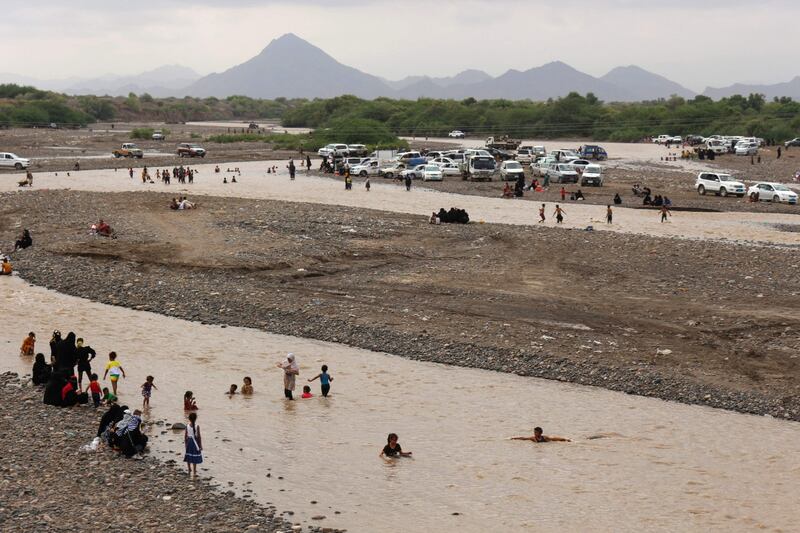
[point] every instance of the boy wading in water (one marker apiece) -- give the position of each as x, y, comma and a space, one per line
324, 380
559, 213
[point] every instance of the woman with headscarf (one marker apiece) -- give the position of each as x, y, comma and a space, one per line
54, 340
290, 371
110, 417
52, 391
41, 370
67, 354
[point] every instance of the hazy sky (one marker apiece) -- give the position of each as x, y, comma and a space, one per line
694, 42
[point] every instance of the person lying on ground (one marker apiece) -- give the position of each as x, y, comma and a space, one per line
103, 229
538, 436
392, 448
173, 204
185, 204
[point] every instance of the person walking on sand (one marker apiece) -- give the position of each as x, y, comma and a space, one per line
559, 213
193, 445
542, 216
115, 369
408, 183
292, 169
290, 371
538, 436
665, 213
367, 185
308, 164
609, 215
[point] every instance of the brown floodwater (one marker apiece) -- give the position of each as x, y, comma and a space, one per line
659, 466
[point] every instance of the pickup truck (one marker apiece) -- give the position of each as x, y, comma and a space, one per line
367, 168
128, 150
190, 150
7, 159
719, 184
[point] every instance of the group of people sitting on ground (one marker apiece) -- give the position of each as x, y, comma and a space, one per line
121, 429
181, 203
454, 216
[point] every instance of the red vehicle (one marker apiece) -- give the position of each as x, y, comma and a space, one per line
191, 150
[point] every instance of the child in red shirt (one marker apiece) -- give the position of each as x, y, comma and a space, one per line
94, 388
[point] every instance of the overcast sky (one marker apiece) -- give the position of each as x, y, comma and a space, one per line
694, 42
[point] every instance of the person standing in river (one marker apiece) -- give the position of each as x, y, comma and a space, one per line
290, 371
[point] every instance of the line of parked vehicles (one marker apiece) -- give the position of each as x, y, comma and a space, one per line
496, 159
721, 144
722, 184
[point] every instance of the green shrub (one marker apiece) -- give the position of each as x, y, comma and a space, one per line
142, 133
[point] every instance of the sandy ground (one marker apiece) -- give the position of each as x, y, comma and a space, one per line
255, 183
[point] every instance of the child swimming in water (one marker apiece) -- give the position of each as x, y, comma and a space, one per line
392, 448
189, 403
539, 437
307, 392
247, 388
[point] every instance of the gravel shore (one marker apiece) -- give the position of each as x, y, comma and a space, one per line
48, 484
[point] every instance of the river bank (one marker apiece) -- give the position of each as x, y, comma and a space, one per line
49, 485
584, 307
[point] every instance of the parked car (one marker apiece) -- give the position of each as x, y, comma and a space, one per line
359, 150
411, 158
695, 140
391, 170
717, 146
539, 167
564, 155
773, 192
7, 159
511, 170
456, 134
793, 142
449, 169
746, 148
191, 150
128, 150
414, 172
333, 149
562, 173
370, 167
352, 161
661, 139
719, 184
539, 151
502, 155
432, 172
525, 154
579, 163
592, 175
158, 135
592, 151
478, 168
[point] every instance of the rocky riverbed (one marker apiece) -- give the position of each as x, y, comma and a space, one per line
696, 322
48, 484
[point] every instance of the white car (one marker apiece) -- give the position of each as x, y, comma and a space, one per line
456, 134
719, 184
746, 148
333, 149
511, 170
525, 154
773, 192
414, 172
562, 173
580, 163
366, 168
432, 173
447, 166
391, 170
564, 155
7, 159
158, 135
539, 167
592, 175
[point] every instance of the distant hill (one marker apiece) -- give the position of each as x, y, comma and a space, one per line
290, 67
644, 85
789, 88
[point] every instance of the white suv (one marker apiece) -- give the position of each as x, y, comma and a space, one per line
719, 184
334, 149
7, 159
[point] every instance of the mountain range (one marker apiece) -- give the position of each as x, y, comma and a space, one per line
292, 67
